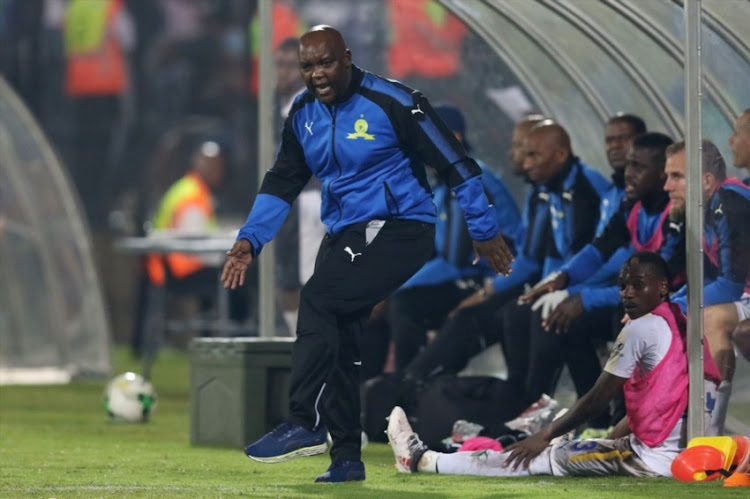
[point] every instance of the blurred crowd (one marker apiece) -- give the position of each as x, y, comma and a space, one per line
184, 71
170, 71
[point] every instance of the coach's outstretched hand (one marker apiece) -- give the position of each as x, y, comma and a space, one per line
496, 252
239, 259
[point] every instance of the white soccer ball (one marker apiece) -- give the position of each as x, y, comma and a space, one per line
130, 397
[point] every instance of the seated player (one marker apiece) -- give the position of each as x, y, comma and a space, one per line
648, 362
481, 319
721, 321
726, 239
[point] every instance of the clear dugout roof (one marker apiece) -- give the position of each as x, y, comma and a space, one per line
581, 61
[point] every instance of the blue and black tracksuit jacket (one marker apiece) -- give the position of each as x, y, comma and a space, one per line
560, 218
369, 152
611, 200
726, 235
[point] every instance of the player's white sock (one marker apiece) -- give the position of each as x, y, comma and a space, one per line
719, 414
542, 464
428, 462
478, 463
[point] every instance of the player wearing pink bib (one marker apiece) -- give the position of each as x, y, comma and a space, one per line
648, 361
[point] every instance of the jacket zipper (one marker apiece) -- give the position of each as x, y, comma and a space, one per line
336, 161
389, 195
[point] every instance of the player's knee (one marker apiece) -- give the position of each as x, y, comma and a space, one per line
718, 323
741, 338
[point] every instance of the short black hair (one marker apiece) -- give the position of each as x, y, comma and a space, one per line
653, 140
656, 142
654, 260
635, 122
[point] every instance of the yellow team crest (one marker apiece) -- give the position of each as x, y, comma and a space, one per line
360, 130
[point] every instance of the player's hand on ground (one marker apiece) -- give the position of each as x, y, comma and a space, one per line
239, 259
495, 252
561, 318
553, 282
521, 453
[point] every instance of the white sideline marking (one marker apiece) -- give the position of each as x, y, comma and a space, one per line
34, 376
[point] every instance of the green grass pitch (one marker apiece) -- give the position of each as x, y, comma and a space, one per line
57, 441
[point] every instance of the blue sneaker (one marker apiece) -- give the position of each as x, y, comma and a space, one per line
286, 441
343, 471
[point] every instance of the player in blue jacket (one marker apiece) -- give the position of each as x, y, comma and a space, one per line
727, 245
367, 139
726, 231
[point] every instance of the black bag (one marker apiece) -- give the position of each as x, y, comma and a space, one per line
379, 396
485, 400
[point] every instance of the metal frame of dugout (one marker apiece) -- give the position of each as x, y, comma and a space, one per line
239, 388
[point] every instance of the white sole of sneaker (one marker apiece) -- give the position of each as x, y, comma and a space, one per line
305, 451
397, 424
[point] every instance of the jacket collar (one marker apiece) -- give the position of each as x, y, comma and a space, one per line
558, 181
354, 84
618, 178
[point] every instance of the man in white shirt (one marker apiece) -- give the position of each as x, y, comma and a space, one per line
648, 361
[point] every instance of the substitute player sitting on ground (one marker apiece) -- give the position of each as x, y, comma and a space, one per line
648, 361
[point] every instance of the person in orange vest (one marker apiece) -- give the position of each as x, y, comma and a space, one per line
286, 24
97, 35
425, 39
188, 206
94, 48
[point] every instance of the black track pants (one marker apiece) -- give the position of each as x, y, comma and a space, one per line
469, 332
350, 278
413, 311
